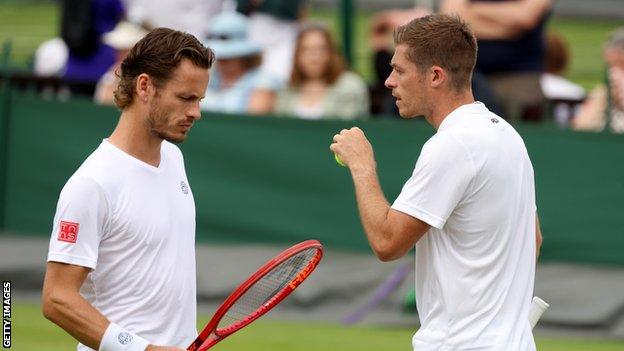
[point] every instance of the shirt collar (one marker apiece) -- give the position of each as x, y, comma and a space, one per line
455, 115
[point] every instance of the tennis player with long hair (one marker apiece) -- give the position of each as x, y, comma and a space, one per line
121, 263
468, 207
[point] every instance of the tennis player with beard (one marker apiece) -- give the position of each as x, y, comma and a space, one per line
121, 263
468, 207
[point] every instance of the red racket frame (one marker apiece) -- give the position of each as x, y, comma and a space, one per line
204, 341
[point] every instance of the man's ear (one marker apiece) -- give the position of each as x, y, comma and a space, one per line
144, 87
437, 76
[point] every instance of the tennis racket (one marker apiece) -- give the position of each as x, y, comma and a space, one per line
266, 288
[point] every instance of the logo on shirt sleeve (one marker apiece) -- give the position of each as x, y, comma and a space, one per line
68, 232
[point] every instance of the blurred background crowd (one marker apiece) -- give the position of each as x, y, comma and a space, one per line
277, 57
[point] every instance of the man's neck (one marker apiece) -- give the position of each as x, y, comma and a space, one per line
132, 135
447, 104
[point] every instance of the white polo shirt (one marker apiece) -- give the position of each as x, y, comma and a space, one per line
473, 183
134, 225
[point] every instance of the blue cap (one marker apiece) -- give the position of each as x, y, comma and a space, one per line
228, 37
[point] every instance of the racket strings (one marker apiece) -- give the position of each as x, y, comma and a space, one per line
267, 287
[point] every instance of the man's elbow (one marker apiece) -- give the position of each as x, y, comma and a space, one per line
52, 303
387, 252
386, 257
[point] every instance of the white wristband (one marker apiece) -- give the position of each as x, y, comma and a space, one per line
118, 339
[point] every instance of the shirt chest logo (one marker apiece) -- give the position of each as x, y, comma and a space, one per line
184, 187
68, 232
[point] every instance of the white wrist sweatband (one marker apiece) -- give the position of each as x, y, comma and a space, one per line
118, 339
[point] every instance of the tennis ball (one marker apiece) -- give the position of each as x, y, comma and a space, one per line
339, 160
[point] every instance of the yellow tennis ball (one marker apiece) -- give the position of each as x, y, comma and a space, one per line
339, 160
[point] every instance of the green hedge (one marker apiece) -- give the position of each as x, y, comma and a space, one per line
269, 179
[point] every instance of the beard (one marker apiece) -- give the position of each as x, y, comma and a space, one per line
158, 123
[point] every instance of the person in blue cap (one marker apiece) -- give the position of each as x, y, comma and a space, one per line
237, 84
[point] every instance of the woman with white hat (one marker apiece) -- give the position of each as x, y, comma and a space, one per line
236, 84
122, 39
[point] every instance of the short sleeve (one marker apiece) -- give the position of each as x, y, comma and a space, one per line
79, 223
439, 182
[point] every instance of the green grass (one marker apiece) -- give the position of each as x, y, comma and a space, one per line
32, 332
586, 40
28, 23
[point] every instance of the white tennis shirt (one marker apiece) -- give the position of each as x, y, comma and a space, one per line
134, 225
473, 183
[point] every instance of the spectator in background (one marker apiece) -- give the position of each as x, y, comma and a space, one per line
51, 58
511, 43
122, 39
604, 107
274, 24
237, 85
83, 23
320, 86
191, 16
563, 96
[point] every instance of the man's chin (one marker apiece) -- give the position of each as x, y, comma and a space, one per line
176, 140
173, 138
405, 114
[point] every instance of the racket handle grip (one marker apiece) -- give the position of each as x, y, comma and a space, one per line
538, 306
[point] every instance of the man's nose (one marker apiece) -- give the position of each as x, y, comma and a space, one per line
195, 112
390, 83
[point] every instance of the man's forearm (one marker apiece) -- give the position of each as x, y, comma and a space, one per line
77, 317
372, 205
518, 15
63, 304
483, 27
499, 20
391, 233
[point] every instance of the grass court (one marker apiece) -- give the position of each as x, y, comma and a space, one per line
32, 332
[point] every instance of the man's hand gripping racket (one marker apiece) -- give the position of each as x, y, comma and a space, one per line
260, 293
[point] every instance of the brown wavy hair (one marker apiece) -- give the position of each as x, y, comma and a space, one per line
335, 67
158, 54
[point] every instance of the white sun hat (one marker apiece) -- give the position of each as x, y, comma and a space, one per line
228, 37
124, 36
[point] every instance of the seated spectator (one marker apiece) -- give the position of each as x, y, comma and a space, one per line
320, 86
237, 85
190, 16
564, 97
83, 23
604, 107
51, 58
122, 39
274, 24
510, 36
